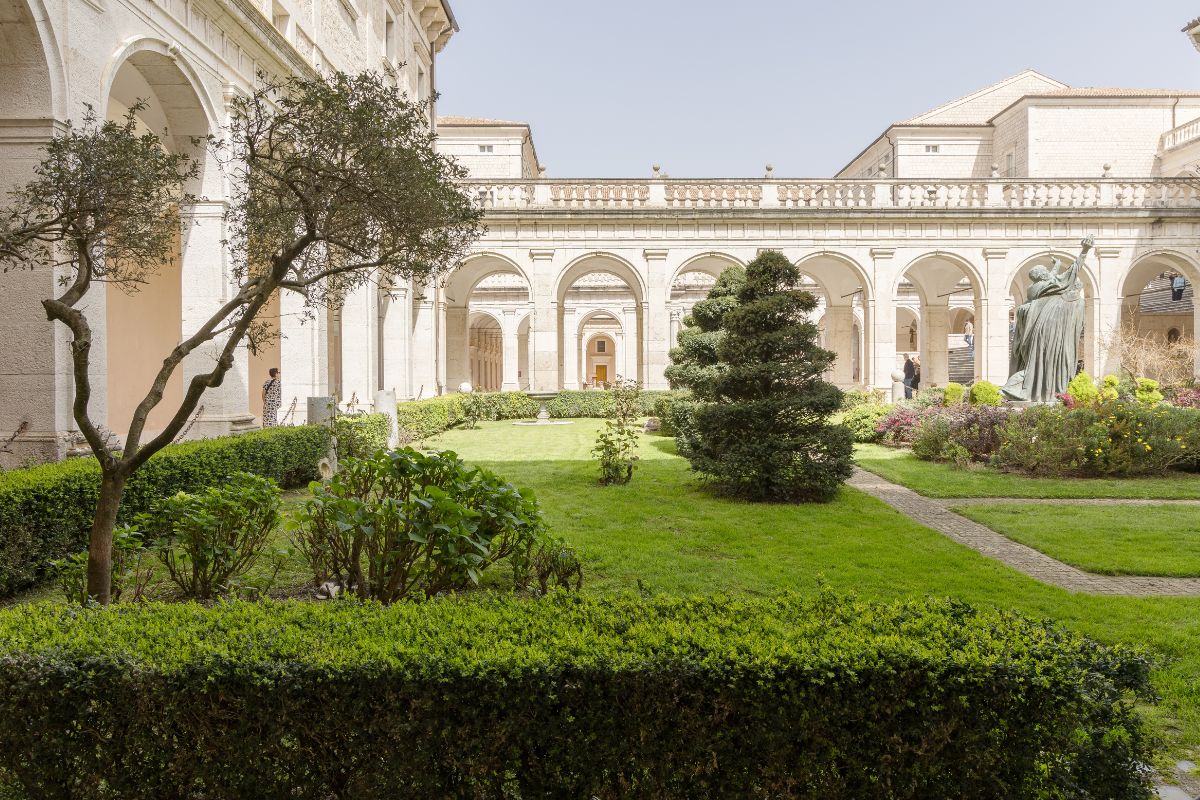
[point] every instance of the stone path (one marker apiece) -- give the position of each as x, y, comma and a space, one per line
1073, 501
935, 514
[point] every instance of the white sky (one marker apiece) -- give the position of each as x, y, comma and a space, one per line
719, 89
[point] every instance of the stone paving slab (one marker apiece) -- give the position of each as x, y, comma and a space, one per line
1037, 565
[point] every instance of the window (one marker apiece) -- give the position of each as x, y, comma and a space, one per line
486, 148
420, 84
1010, 165
600, 345
280, 18
389, 39
933, 148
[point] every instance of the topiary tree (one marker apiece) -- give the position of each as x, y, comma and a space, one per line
759, 427
985, 393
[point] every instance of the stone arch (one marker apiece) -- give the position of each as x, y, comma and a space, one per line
486, 357
142, 326
631, 312
845, 310
600, 335
1149, 310
478, 285
1018, 283
943, 281
712, 263
33, 81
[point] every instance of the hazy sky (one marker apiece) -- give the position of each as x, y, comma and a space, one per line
717, 89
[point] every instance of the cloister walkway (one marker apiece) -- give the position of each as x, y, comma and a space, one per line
937, 515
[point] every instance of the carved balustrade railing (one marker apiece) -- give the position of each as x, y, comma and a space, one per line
814, 195
1187, 132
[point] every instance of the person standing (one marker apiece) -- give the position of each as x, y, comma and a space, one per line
909, 371
969, 335
916, 378
272, 396
1178, 282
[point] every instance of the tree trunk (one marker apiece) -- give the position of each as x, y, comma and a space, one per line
99, 568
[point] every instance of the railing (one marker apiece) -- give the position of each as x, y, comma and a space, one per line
996, 193
1187, 132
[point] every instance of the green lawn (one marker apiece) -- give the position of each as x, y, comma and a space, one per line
947, 480
663, 533
1107, 540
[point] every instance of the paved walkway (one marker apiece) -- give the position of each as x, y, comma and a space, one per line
935, 514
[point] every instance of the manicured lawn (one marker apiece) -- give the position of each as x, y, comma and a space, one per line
948, 480
663, 533
1107, 540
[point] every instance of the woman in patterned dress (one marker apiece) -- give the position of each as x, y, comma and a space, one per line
272, 394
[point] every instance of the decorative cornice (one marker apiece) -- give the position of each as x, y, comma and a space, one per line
995, 253
245, 13
1108, 252
655, 254
879, 253
541, 253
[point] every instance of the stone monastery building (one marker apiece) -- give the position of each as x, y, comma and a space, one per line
921, 244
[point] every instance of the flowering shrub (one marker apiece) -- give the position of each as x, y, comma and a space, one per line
1186, 397
1115, 437
901, 423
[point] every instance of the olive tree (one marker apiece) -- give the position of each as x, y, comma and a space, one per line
334, 182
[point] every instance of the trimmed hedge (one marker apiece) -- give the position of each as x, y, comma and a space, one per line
46, 511
568, 696
360, 435
424, 418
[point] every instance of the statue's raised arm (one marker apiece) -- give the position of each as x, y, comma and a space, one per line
1073, 270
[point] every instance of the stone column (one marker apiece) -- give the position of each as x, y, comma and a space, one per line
424, 347
458, 347
656, 322
1110, 270
839, 337
676, 327
359, 342
509, 381
629, 323
881, 317
544, 338
395, 342
206, 284
570, 345
303, 355
935, 327
991, 324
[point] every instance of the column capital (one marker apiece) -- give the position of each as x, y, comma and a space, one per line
655, 254
995, 253
880, 253
541, 253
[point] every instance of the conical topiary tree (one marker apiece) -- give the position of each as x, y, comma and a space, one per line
758, 424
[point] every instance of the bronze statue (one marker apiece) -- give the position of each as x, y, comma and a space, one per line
1045, 345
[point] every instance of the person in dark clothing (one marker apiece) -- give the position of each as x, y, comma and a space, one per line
1177, 285
909, 371
916, 378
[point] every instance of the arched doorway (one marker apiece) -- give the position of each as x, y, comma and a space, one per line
486, 299
487, 353
940, 286
1156, 334
591, 286
143, 323
843, 291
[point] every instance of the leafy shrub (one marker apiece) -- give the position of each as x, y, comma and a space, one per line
421, 419
616, 446
1082, 391
1110, 388
985, 393
853, 398
953, 393
664, 409
209, 539
960, 433
406, 525
360, 435
933, 397
131, 570
1147, 392
569, 696
46, 511
863, 421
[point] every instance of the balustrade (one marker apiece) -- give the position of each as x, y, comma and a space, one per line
1187, 132
1114, 193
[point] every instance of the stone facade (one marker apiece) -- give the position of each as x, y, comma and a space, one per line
928, 233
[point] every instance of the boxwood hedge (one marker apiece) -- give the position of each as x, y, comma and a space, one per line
566, 696
46, 511
360, 435
424, 418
